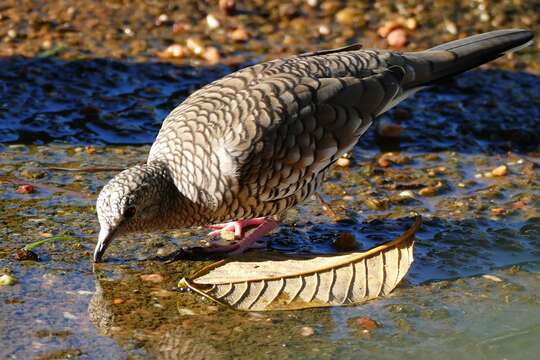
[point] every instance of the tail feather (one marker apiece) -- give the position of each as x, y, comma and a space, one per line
457, 56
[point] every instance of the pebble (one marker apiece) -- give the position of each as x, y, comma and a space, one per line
25, 189
406, 194
365, 323
324, 30
195, 46
23, 254
161, 19
375, 204
239, 35
7, 280
402, 114
520, 204
307, 331
90, 150
500, 171
389, 129
180, 27
383, 162
428, 191
227, 6
155, 278
69, 316
174, 51
343, 162
211, 55
118, 301
387, 27
346, 241
492, 278
348, 16
498, 211
185, 311
212, 22
397, 38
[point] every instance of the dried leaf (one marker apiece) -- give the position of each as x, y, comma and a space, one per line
267, 281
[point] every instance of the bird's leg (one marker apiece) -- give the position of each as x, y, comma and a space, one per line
238, 227
246, 241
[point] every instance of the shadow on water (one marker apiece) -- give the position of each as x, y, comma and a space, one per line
91, 101
61, 308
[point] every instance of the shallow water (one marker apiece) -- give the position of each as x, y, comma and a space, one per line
62, 307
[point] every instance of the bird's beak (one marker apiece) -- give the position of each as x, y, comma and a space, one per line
106, 234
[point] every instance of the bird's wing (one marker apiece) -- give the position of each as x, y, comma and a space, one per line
306, 125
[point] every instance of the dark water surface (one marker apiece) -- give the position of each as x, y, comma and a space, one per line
473, 290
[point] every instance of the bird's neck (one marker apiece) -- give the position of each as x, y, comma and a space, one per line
177, 210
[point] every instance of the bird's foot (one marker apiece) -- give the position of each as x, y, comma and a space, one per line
246, 241
239, 227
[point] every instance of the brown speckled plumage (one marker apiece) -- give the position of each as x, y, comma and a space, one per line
260, 140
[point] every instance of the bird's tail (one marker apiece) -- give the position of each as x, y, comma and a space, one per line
458, 56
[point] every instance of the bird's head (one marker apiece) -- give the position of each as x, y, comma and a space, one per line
134, 200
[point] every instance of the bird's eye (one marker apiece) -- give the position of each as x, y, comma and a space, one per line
130, 212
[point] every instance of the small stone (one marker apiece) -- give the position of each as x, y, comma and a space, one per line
397, 38
25, 189
498, 211
155, 278
324, 30
195, 46
375, 204
348, 16
185, 311
411, 23
227, 6
492, 278
451, 27
406, 194
239, 35
212, 22
520, 204
500, 171
90, 149
174, 51
365, 323
383, 162
162, 293
343, 162
161, 19
346, 241
180, 27
118, 301
46, 44
69, 316
7, 280
387, 27
428, 191
402, 114
23, 254
307, 331
211, 55
389, 129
